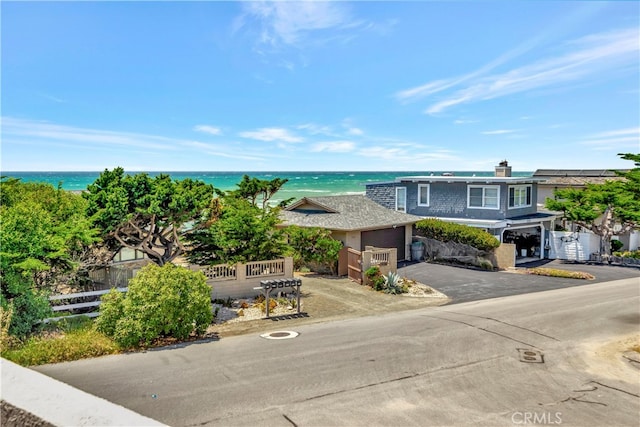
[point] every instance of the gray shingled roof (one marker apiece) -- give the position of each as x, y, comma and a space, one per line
574, 173
352, 212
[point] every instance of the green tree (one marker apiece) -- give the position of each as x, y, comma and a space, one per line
43, 232
146, 213
167, 301
600, 207
242, 228
313, 245
259, 191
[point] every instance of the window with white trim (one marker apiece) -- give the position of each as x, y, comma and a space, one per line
520, 196
423, 194
401, 199
483, 197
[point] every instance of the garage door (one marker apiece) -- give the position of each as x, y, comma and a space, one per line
386, 238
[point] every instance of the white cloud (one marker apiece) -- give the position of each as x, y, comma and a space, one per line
290, 22
220, 151
334, 146
619, 132
271, 134
208, 129
614, 140
315, 129
355, 131
52, 98
396, 153
464, 122
498, 132
45, 135
44, 131
596, 54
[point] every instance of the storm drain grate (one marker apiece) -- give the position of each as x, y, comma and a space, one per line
530, 356
280, 335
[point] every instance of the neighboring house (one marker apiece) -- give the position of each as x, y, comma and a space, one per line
503, 205
354, 220
557, 179
124, 266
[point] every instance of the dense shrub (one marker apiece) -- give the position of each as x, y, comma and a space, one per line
616, 245
313, 245
66, 340
167, 301
27, 305
374, 277
628, 254
389, 284
450, 232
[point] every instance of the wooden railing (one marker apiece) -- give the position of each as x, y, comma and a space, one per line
238, 280
220, 272
265, 268
250, 270
380, 257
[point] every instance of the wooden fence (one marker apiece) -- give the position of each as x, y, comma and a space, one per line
78, 303
226, 281
386, 259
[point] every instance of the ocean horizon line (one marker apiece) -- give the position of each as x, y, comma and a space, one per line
258, 171
299, 183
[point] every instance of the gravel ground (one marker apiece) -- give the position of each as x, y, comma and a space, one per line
325, 298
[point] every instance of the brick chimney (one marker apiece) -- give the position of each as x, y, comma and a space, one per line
503, 169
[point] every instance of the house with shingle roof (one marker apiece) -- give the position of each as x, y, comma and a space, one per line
355, 220
503, 205
558, 179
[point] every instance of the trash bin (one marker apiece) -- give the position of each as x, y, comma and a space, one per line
417, 251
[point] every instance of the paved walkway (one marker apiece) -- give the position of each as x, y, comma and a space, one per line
463, 284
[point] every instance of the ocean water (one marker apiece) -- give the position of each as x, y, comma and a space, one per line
299, 184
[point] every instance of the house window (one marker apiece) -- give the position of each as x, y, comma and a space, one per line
401, 199
520, 196
483, 197
423, 194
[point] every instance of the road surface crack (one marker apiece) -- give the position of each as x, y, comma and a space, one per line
611, 388
485, 330
589, 390
392, 380
500, 321
290, 420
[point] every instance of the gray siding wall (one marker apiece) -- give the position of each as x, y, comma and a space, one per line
447, 200
382, 194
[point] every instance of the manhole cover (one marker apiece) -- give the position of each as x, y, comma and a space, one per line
280, 335
530, 356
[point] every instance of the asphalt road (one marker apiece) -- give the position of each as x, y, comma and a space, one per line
463, 284
453, 365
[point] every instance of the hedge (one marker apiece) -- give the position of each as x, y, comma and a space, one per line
449, 232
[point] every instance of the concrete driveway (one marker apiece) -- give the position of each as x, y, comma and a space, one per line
464, 284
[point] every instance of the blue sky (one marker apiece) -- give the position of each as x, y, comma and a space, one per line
323, 86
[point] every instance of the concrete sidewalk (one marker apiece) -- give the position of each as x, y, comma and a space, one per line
465, 284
